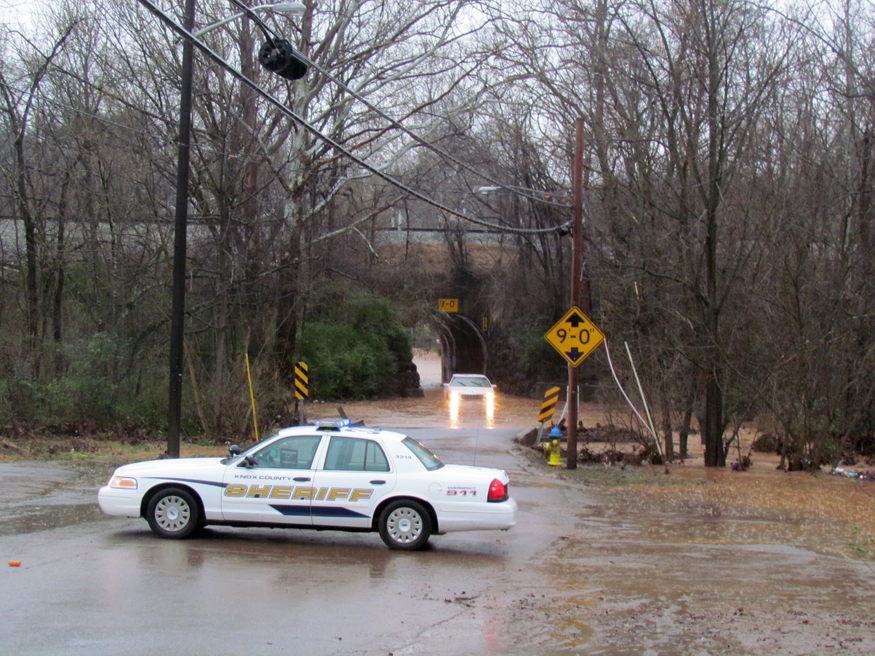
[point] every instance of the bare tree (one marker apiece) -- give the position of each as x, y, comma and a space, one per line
19, 92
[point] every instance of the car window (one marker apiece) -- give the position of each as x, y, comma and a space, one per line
353, 454
429, 460
289, 453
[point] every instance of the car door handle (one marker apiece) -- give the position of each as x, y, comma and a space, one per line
378, 482
301, 479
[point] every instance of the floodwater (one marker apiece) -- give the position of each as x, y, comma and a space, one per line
827, 514
697, 561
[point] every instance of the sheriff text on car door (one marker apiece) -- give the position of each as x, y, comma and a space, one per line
277, 487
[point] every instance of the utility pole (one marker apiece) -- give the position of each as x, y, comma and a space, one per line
576, 275
180, 239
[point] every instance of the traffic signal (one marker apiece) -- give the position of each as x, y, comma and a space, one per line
278, 56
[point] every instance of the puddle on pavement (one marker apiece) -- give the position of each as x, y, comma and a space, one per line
25, 481
352, 556
45, 496
30, 519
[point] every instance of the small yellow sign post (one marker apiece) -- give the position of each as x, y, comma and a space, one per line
252, 398
448, 304
574, 336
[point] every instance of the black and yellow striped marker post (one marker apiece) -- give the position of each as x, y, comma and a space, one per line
551, 396
302, 381
302, 390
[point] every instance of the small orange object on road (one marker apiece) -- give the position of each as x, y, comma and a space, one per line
15, 563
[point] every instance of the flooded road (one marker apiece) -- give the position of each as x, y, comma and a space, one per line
587, 570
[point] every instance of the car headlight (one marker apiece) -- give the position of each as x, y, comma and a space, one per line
123, 483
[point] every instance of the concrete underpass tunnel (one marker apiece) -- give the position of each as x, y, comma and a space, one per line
463, 347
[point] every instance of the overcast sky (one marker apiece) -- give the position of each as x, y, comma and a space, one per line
17, 13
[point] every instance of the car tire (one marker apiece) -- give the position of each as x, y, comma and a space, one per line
405, 525
173, 513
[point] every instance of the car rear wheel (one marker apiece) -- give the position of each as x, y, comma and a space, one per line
173, 513
405, 525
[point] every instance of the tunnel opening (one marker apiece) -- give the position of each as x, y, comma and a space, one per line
463, 347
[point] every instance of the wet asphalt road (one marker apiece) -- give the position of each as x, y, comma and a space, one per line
585, 571
94, 585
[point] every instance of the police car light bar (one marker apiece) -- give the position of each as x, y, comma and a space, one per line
333, 423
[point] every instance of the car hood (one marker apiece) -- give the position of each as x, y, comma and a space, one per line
168, 466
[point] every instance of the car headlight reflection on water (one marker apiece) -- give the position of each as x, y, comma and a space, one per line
455, 403
455, 399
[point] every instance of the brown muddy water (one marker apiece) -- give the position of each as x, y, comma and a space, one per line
693, 561
827, 513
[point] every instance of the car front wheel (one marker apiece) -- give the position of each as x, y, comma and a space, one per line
173, 513
405, 525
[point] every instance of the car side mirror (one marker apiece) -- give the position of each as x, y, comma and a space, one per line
248, 462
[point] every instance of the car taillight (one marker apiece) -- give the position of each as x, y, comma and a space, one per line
497, 491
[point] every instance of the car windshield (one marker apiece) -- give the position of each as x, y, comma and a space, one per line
474, 381
429, 460
232, 459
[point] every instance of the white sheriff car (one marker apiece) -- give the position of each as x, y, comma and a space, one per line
327, 476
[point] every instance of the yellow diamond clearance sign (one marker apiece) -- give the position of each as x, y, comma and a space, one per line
574, 336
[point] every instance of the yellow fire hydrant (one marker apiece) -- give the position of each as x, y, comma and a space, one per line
553, 450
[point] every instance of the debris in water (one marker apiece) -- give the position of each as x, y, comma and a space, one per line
850, 473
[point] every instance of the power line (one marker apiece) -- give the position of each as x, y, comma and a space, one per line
205, 49
398, 125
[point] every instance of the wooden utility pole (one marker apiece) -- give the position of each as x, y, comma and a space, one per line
180, 241
576, 275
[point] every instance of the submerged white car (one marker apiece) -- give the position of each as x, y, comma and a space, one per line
327, 476
467, 386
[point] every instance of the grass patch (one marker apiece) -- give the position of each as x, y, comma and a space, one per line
609, 476
70, 451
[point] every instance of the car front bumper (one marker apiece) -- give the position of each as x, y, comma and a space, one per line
123, 503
